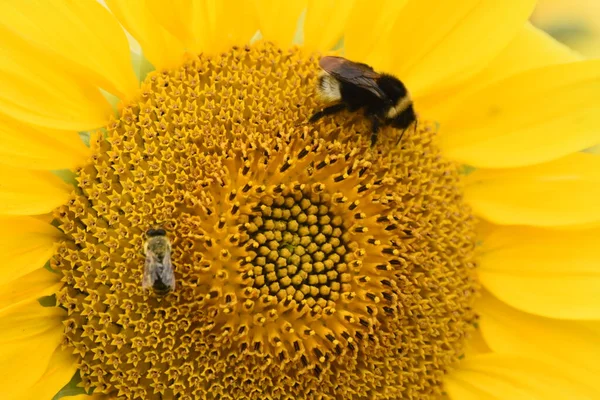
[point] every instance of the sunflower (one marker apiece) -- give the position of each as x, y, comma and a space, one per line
459, 262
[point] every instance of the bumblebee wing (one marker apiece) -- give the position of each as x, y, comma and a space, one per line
166, 272
149, 267
353, 73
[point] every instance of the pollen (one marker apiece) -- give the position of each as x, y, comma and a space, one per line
308, 264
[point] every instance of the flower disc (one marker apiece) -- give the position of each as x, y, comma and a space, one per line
308, 264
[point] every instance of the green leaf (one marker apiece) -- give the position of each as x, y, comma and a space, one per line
85, 138
48, 301
66, 175
466, 169
593, 150
568, 32
49, 267
113, 100
141, 65
299, 36
257, 36
71, 388
339, 45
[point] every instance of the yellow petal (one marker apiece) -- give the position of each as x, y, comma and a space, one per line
81, 35
531, 48
176, 17
207, 26
322, 37
548, 272
47, 218
476, 344
30, 333
536, 116
26, 146
60, 370
558, 193
26, 244
161, 48
484, 229
28, 320
367, 31
571, 344
30, 287
278, 20
508, 377
215, 28
46, 94
94, 396
438, 44
25, 192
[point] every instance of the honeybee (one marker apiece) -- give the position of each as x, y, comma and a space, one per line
352, 86
158, 270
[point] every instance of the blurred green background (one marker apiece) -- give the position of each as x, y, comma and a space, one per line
573, 22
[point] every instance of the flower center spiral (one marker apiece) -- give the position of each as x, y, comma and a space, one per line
308, 264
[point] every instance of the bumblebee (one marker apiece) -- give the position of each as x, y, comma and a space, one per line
353, 86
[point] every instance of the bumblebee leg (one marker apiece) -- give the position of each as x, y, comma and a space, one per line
416, 125
374, 130
400, 137
336, 108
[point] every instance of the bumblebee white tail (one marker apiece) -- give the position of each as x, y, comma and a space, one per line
328, 88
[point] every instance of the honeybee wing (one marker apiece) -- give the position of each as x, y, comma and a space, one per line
149, 267
352, 72
155, 269
166, 272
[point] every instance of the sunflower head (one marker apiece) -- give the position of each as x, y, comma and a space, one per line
309, 261
304, 257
